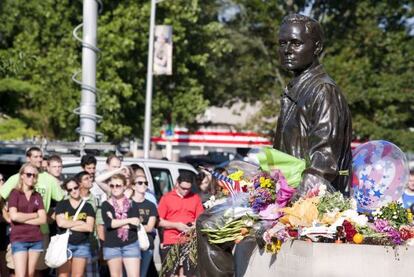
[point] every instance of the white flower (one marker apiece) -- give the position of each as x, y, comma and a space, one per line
248, 222
322, 190
353, 204
352, 215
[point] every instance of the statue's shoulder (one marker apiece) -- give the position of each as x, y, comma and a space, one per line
321, 77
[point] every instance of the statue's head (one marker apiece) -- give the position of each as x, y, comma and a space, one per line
300, 42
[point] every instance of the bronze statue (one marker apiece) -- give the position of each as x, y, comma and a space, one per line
314, 122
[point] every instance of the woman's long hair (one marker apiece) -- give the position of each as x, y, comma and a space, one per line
21, 171
211, 188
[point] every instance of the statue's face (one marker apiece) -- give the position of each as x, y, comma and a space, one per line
296, 48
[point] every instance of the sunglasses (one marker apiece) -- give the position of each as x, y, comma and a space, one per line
140, 183
30, 175
115, 186
72, 189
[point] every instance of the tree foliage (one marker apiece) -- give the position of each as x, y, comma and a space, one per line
224, 51
43, 30
368, 52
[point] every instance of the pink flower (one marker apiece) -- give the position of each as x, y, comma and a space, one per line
271, 212
284, 194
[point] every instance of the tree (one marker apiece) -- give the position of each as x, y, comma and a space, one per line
368, 53
43, 30
224, 51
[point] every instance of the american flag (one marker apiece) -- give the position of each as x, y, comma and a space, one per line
232, 186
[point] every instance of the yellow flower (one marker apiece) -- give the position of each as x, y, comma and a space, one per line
236, 176
409, 215
274, 247
265, 182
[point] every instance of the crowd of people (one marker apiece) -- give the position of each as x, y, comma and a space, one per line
38, 203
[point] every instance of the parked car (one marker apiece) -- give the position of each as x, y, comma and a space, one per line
211, 160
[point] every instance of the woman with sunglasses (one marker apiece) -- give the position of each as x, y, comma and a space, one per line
148, 216
27, 213
81, 229
120, 216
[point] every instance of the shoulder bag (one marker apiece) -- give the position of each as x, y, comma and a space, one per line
143, 238
58, 253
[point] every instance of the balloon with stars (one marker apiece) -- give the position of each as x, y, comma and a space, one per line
380, 173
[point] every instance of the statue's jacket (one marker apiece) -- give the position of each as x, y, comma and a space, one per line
315, 125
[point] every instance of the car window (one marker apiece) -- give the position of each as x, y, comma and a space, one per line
162, 180
194, 188
70, 170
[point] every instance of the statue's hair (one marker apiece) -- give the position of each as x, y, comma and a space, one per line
312, 27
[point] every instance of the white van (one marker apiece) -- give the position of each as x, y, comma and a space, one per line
161, 174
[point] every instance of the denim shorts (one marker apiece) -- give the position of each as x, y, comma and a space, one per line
82, 250
128, 251
22, 246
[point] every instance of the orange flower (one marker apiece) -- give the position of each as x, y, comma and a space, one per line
244, 231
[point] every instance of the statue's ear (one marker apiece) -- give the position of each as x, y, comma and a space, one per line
318, 48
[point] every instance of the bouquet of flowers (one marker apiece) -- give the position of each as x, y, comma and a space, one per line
269, 192
392, 220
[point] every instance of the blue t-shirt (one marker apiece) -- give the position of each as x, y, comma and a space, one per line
407, 199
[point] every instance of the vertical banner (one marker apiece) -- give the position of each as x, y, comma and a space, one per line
163, 50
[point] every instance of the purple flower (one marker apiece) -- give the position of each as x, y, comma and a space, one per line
395, 236
260, 199
282, 235
381, 225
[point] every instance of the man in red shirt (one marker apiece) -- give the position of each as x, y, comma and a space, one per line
178, 211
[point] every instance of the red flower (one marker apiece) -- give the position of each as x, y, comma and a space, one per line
405, 232
349, 230
293, 233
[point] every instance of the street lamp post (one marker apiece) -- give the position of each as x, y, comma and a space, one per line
148, 96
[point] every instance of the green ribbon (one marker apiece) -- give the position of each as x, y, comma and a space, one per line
290, 166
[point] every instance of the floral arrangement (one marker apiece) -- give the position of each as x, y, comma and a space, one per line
332, 218
263, 191
394, 213
392, 220
266, 193
318, 214
187, 247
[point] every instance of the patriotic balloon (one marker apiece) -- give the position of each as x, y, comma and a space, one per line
380, 173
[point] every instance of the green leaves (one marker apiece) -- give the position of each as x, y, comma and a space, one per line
224, 51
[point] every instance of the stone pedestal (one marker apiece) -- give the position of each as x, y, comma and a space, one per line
305, 259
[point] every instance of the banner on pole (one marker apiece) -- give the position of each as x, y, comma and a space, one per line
163, 50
